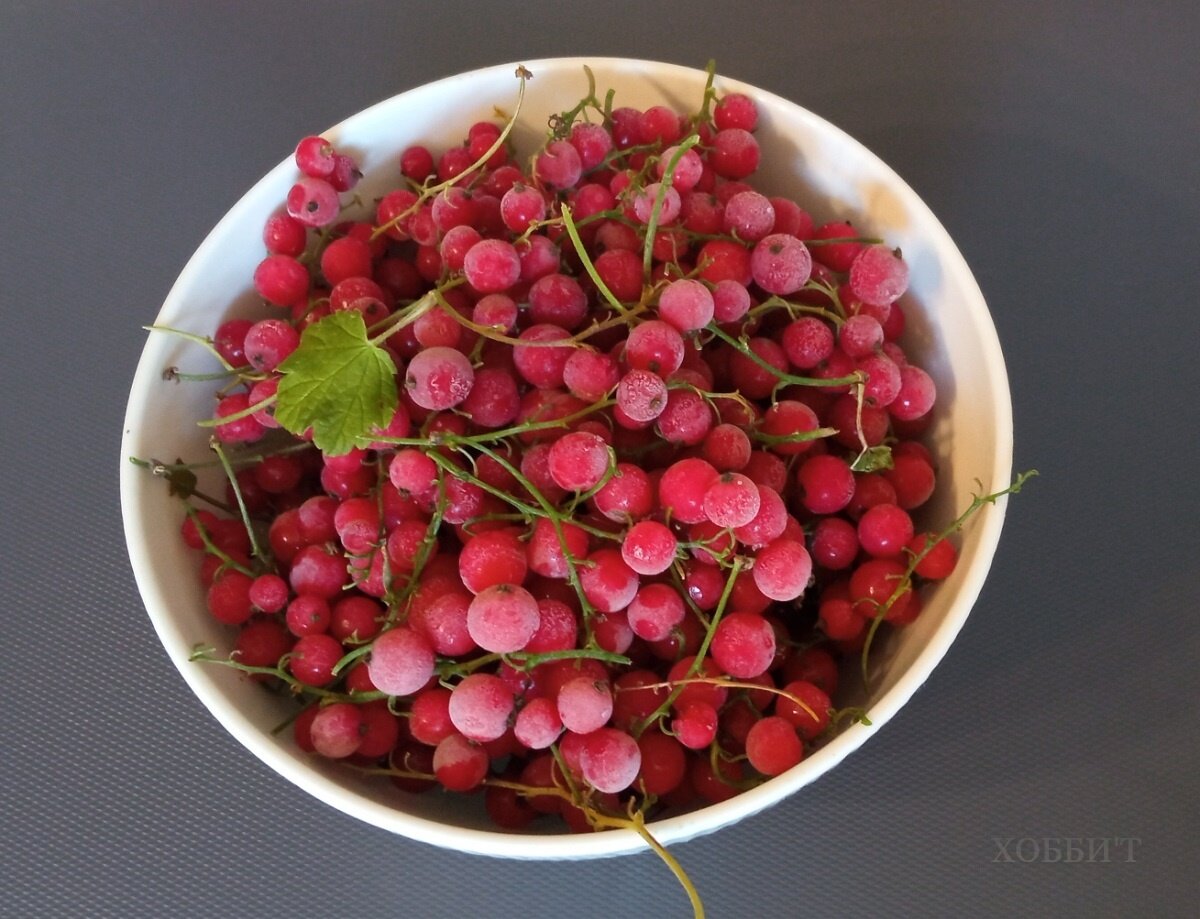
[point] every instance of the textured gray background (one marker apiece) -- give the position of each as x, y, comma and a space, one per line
1060, 146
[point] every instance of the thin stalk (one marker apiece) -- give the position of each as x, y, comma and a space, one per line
588, 266
665, 706
904, 582
656, 210
205, 654
524, 76
255, 548
211, 548
202, 340
780, 375
556, 520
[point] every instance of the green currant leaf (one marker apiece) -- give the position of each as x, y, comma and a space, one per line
873, 459
338, 383
181, 481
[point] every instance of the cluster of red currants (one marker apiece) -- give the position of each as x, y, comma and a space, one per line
647, 478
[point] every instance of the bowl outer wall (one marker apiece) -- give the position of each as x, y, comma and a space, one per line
804, 156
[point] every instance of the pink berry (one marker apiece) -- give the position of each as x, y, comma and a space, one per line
782, 569
780, 264
579, 460
610, 760
743, 645
559, 165
878, 275
686, 304
401, 661
313, 202
649, 547
480, 707
502, 618
492, 265
773, 746
439, 378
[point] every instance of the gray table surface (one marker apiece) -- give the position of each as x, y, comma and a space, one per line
1058, 142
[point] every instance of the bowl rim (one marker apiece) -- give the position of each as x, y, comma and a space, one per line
986, 532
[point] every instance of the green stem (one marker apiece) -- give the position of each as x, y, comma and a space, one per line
350, 657
202, 340
904, 581
243, 459
181, 481
860, 391
428, 544
491, 332
665, 706
727, 683
211, 548
568, 777
588, 266
668, 177
523, 75
775, 303
575, 340
560, 124
638, 823
486, 437
384, 330
710, 94
205, 654
799, 437
556, 520
853, 714
255, 549
446, 669
252, 409
678, 580
175, 375
528, 511
851, 379
734, 570
523, 661
865, 240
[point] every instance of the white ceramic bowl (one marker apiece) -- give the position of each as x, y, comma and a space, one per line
950, 331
